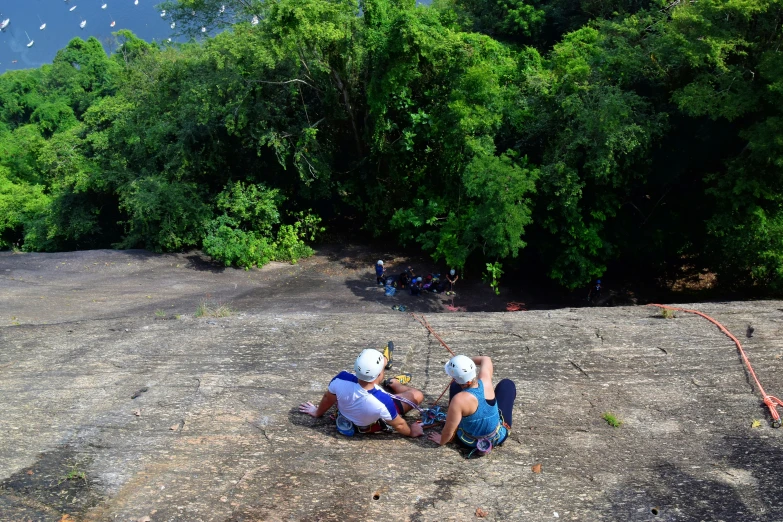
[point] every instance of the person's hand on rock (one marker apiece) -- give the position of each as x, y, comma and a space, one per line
308, 408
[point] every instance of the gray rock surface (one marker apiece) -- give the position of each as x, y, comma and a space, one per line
213, 433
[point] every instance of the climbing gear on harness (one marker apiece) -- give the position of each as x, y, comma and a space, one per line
461, 368
429, 416
769, 401
344, 426
349, 429
369, 365
401, 308
388, 352
483, 445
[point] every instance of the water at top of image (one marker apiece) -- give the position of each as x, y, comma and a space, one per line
63, 21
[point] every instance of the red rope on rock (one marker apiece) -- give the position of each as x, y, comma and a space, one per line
436, 401
426, 325
771, 402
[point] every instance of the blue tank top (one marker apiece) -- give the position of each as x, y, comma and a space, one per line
483, 422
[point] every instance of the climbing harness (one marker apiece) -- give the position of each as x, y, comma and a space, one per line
344, 426
483, 444
771, 402
348, 428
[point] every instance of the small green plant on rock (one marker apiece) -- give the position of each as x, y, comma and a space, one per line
75, 474
492, 276
210, 309
611, 419
160, 314
667, 314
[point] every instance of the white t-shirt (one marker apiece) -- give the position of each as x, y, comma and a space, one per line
360, 406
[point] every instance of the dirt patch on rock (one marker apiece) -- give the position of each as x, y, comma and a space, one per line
73, 286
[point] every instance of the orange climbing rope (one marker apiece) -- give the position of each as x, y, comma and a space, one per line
516, 306
771, 402
426, 325
436, 401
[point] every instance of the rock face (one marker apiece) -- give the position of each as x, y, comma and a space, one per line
133, 415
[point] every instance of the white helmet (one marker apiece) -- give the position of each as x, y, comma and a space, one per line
452, 271
369, 365
380, 262
461, 368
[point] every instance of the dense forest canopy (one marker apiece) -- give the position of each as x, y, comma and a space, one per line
565, 134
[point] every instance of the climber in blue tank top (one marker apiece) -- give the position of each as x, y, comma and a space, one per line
479, 415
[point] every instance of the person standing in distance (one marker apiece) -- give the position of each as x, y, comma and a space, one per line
452, 278
379, 270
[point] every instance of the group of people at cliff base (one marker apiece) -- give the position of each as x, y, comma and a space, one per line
408, 280
479, 415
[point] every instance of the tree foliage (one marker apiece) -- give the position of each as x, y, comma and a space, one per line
570, 135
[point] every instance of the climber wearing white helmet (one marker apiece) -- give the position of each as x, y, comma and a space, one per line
362, 405
379, 270
452, 277
479, 415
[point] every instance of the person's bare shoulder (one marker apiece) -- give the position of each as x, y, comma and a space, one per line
465, 402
